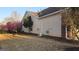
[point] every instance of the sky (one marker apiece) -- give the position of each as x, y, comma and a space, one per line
6, 11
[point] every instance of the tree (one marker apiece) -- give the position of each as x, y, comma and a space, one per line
19, 26
11, 27
13, 22
28, 23
71, 20
25, 22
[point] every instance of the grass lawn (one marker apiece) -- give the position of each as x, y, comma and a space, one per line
19, 42
11, 42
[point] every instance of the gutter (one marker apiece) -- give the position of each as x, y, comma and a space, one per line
50, 14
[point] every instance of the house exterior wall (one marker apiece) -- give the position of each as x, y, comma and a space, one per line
51, 25
36, 24
25, 29
35, 28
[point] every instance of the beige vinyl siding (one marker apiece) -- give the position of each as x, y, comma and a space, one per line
36, 24
51, 24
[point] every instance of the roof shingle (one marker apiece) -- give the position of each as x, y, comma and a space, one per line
50, 10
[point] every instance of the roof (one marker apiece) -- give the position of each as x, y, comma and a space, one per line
29, 13
49, 10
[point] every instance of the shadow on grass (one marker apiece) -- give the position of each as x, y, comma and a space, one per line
72, 49
60, 39
19, 43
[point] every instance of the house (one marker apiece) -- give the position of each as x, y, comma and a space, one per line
34, 17
51, 22
48, 22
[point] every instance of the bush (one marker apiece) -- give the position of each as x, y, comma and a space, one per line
2, 32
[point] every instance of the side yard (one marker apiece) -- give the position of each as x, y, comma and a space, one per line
20, 42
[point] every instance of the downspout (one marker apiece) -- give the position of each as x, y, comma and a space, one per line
41, 28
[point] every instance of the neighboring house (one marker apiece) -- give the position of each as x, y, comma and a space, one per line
48, 22
34, 17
